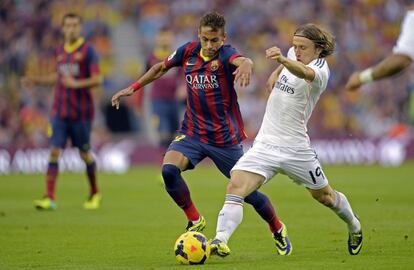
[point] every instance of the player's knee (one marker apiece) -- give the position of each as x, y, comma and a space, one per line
236, 187
170, 173
86, 157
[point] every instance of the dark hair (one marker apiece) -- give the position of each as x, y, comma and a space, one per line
321, 38
71, 15
214, 20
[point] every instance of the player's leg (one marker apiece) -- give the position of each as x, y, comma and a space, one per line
182, 155
340, 205
241, 184
303, 167
225, 159
58, 137
80, 133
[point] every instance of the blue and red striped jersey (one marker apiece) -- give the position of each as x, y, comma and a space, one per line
212, 115
74, 104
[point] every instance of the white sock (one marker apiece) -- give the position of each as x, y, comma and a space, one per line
229, 218
343, 209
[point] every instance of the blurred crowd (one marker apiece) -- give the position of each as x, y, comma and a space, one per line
123, 34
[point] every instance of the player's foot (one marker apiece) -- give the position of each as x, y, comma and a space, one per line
45, 204
219, 248
355, 243
196, 226
93, 202
282, 242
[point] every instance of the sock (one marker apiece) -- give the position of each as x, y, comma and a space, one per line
178, 190
343, 209
91, 173
264, 208
229, 218
51, 176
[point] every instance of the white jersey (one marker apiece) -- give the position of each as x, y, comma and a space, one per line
290, 106
405, 42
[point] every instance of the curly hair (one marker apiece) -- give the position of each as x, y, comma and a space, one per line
214, 20
321, 38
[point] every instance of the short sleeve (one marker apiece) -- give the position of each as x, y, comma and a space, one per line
319, 65
176, 59
230, 53
405, 42
93, 60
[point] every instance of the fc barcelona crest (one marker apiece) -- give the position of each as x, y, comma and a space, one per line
214, 65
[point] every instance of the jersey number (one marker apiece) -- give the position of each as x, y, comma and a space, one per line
318, 173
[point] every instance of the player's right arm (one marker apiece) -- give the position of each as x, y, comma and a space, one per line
155, 72
400, 59
391, 65
30, 81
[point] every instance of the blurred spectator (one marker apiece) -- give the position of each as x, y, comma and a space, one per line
123, 33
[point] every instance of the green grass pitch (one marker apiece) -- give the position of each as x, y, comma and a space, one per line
138, 223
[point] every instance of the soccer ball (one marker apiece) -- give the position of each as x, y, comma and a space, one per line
192, 248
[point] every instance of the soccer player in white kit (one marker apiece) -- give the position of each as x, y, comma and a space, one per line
401, 57
282, 144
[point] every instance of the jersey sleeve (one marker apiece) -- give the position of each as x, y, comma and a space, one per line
319, 65
230, 53
291, 54
176, 59
92, 61
405, 42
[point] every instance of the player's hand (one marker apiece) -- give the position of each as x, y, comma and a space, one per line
353, 82
122, 93
70, 82
274, 53
243, 73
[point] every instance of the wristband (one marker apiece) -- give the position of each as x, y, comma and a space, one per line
366, 76
136, 86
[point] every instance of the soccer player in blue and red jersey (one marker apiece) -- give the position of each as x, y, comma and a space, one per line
73, 110
212, 125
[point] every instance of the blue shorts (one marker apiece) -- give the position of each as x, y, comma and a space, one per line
79, 133
167, 114
223, 157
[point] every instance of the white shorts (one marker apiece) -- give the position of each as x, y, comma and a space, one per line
300, 165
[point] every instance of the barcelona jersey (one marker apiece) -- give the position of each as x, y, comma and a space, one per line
212, 115
74, 104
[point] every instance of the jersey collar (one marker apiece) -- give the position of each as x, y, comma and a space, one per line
69, 48
207, 58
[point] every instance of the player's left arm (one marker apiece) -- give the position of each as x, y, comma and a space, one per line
243, 71
295, 67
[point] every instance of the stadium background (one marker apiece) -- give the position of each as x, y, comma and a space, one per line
137, 224
370, 126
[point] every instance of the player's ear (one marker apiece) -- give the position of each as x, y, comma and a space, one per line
224, 38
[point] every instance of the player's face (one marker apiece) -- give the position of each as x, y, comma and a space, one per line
211, 41
305, 49
164, 39
71, 29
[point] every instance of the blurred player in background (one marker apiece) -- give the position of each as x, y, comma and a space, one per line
212, 125
165, 100
400, 58
72, 111
282, 144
